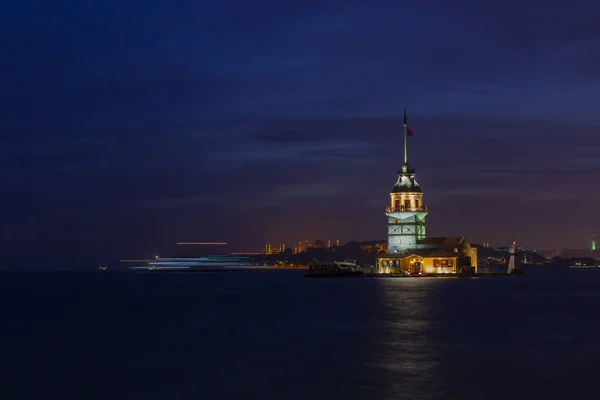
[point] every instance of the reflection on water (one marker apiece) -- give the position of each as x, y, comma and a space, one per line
276, 335
407, 357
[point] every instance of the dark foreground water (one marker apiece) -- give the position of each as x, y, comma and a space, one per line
277, 335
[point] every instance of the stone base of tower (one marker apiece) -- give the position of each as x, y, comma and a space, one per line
405, 229
398, 243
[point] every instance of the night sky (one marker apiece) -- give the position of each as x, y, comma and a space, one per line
130, 125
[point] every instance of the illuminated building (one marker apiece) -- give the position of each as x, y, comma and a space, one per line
593, 245
337, 242
486, 244
431, 255
328, 243
270, 250
406, 213
409, 250
317, 244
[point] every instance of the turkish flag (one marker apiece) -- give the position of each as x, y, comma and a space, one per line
408, 132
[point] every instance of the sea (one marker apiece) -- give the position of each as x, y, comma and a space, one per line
279, 335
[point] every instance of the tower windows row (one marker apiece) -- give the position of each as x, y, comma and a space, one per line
407, 203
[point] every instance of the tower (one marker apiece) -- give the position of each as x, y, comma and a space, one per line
593, 244
513, 268
406, 213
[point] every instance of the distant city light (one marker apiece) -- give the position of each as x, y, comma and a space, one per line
203, 243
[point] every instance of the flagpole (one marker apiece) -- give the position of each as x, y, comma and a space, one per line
405, 148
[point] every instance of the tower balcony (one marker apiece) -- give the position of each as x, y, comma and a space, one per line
406, 209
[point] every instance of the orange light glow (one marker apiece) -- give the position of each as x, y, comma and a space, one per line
202, 243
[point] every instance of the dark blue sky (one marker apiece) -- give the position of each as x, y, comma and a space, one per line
128, 126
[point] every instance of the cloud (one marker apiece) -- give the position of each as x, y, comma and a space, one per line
120, 113
476, 191
286, 195
554, 196
222, 199
286, 153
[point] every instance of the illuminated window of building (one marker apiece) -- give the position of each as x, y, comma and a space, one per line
407, 203
443, 262
417, 203
397, 203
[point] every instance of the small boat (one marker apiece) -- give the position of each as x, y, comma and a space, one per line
334, 269
102, 268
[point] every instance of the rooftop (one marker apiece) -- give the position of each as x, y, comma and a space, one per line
422, 253
444, 240
406, 182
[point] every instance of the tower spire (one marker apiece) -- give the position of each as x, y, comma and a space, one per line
405, 147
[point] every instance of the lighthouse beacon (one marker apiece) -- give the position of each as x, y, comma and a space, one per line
513, 266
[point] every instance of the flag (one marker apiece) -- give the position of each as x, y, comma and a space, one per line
408, 132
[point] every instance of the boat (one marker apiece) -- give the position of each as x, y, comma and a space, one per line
206, 263
346, 268
583, 263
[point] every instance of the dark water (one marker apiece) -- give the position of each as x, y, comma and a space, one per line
277, 335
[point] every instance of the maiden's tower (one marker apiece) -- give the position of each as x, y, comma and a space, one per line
410, 250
